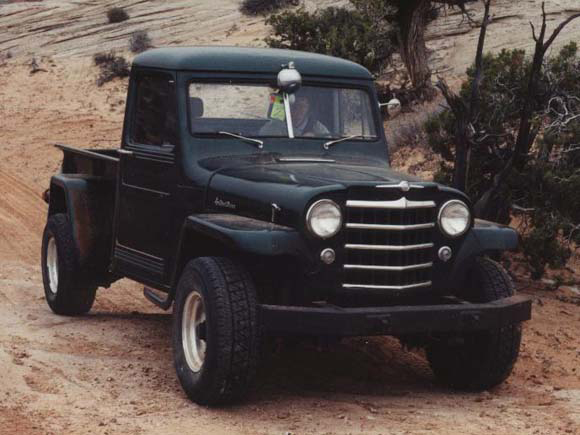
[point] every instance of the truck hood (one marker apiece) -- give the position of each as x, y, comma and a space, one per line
250, 186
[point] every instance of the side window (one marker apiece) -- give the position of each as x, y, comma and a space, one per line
155, 115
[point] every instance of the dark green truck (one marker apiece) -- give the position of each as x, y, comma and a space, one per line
253, 193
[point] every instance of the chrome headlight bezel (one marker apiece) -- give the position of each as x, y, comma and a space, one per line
440, 217
310, 215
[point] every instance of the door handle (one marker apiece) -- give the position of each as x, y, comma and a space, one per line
125, 152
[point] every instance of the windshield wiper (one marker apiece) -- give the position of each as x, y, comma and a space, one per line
330, 143
304, 160
247, 139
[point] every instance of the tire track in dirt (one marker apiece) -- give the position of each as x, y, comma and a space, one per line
64, 25
22, 215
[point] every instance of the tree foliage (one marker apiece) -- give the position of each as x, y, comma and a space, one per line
367, 34
360, 34
263, 7
545, 190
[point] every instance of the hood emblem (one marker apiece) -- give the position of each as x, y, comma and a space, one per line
227, 204
405, 186
275, 209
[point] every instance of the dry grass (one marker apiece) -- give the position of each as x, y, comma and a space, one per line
111, 66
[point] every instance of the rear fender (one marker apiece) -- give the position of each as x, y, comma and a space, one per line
88, 202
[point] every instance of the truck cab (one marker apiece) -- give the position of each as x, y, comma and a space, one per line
252, 192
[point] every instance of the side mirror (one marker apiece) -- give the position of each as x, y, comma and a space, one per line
289, 79
393, 107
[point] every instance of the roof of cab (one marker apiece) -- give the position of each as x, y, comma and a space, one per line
249, 60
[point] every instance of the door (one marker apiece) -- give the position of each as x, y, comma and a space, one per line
145, 231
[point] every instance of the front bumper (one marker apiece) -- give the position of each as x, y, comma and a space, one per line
397, 320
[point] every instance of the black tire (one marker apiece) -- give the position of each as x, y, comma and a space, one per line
69, 295
483, 359
230, 331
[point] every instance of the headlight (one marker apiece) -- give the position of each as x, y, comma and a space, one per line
454, 218
324, 218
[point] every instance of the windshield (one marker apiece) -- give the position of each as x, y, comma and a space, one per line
257, 110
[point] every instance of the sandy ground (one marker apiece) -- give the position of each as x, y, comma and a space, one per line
111, 371
68, 29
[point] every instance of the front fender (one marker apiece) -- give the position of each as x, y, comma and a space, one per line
485, 237
248, 235
224, 234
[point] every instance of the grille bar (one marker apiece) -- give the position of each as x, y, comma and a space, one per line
387, 287
388, 268
390, 227
405, 186
400, 204
389, 247
389, 242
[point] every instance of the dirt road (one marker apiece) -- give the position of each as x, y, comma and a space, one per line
111, 371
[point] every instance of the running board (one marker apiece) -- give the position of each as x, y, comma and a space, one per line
158, 299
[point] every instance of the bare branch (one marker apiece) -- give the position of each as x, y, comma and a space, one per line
544, 25
516, 207
559, 29
533, 32
479, 60
570, 150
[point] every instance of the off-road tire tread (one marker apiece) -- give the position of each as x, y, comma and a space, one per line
235, 313
74, 296
500, 347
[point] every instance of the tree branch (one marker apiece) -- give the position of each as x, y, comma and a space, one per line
533, 32
559, 29
473, 103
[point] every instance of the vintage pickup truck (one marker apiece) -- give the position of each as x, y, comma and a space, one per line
252, 192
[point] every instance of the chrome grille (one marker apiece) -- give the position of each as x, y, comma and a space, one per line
389, 244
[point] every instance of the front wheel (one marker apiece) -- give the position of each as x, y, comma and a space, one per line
480, 360
215, 331
64, 289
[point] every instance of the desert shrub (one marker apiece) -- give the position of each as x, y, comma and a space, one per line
111, 66
140, 41
263, 7
355, 34
545, 192
117, 15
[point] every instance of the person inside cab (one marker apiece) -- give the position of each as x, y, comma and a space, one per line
304, 120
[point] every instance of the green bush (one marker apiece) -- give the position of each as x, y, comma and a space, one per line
348, 33
264, 7
546, 192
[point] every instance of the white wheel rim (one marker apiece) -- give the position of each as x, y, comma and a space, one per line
193, 331
52, 265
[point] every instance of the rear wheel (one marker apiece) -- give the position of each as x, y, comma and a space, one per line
480, 360
65, 291
215, 331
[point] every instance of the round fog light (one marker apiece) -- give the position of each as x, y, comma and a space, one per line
445, 253
328, 256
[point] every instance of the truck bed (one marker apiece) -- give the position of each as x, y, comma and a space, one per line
100, 163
